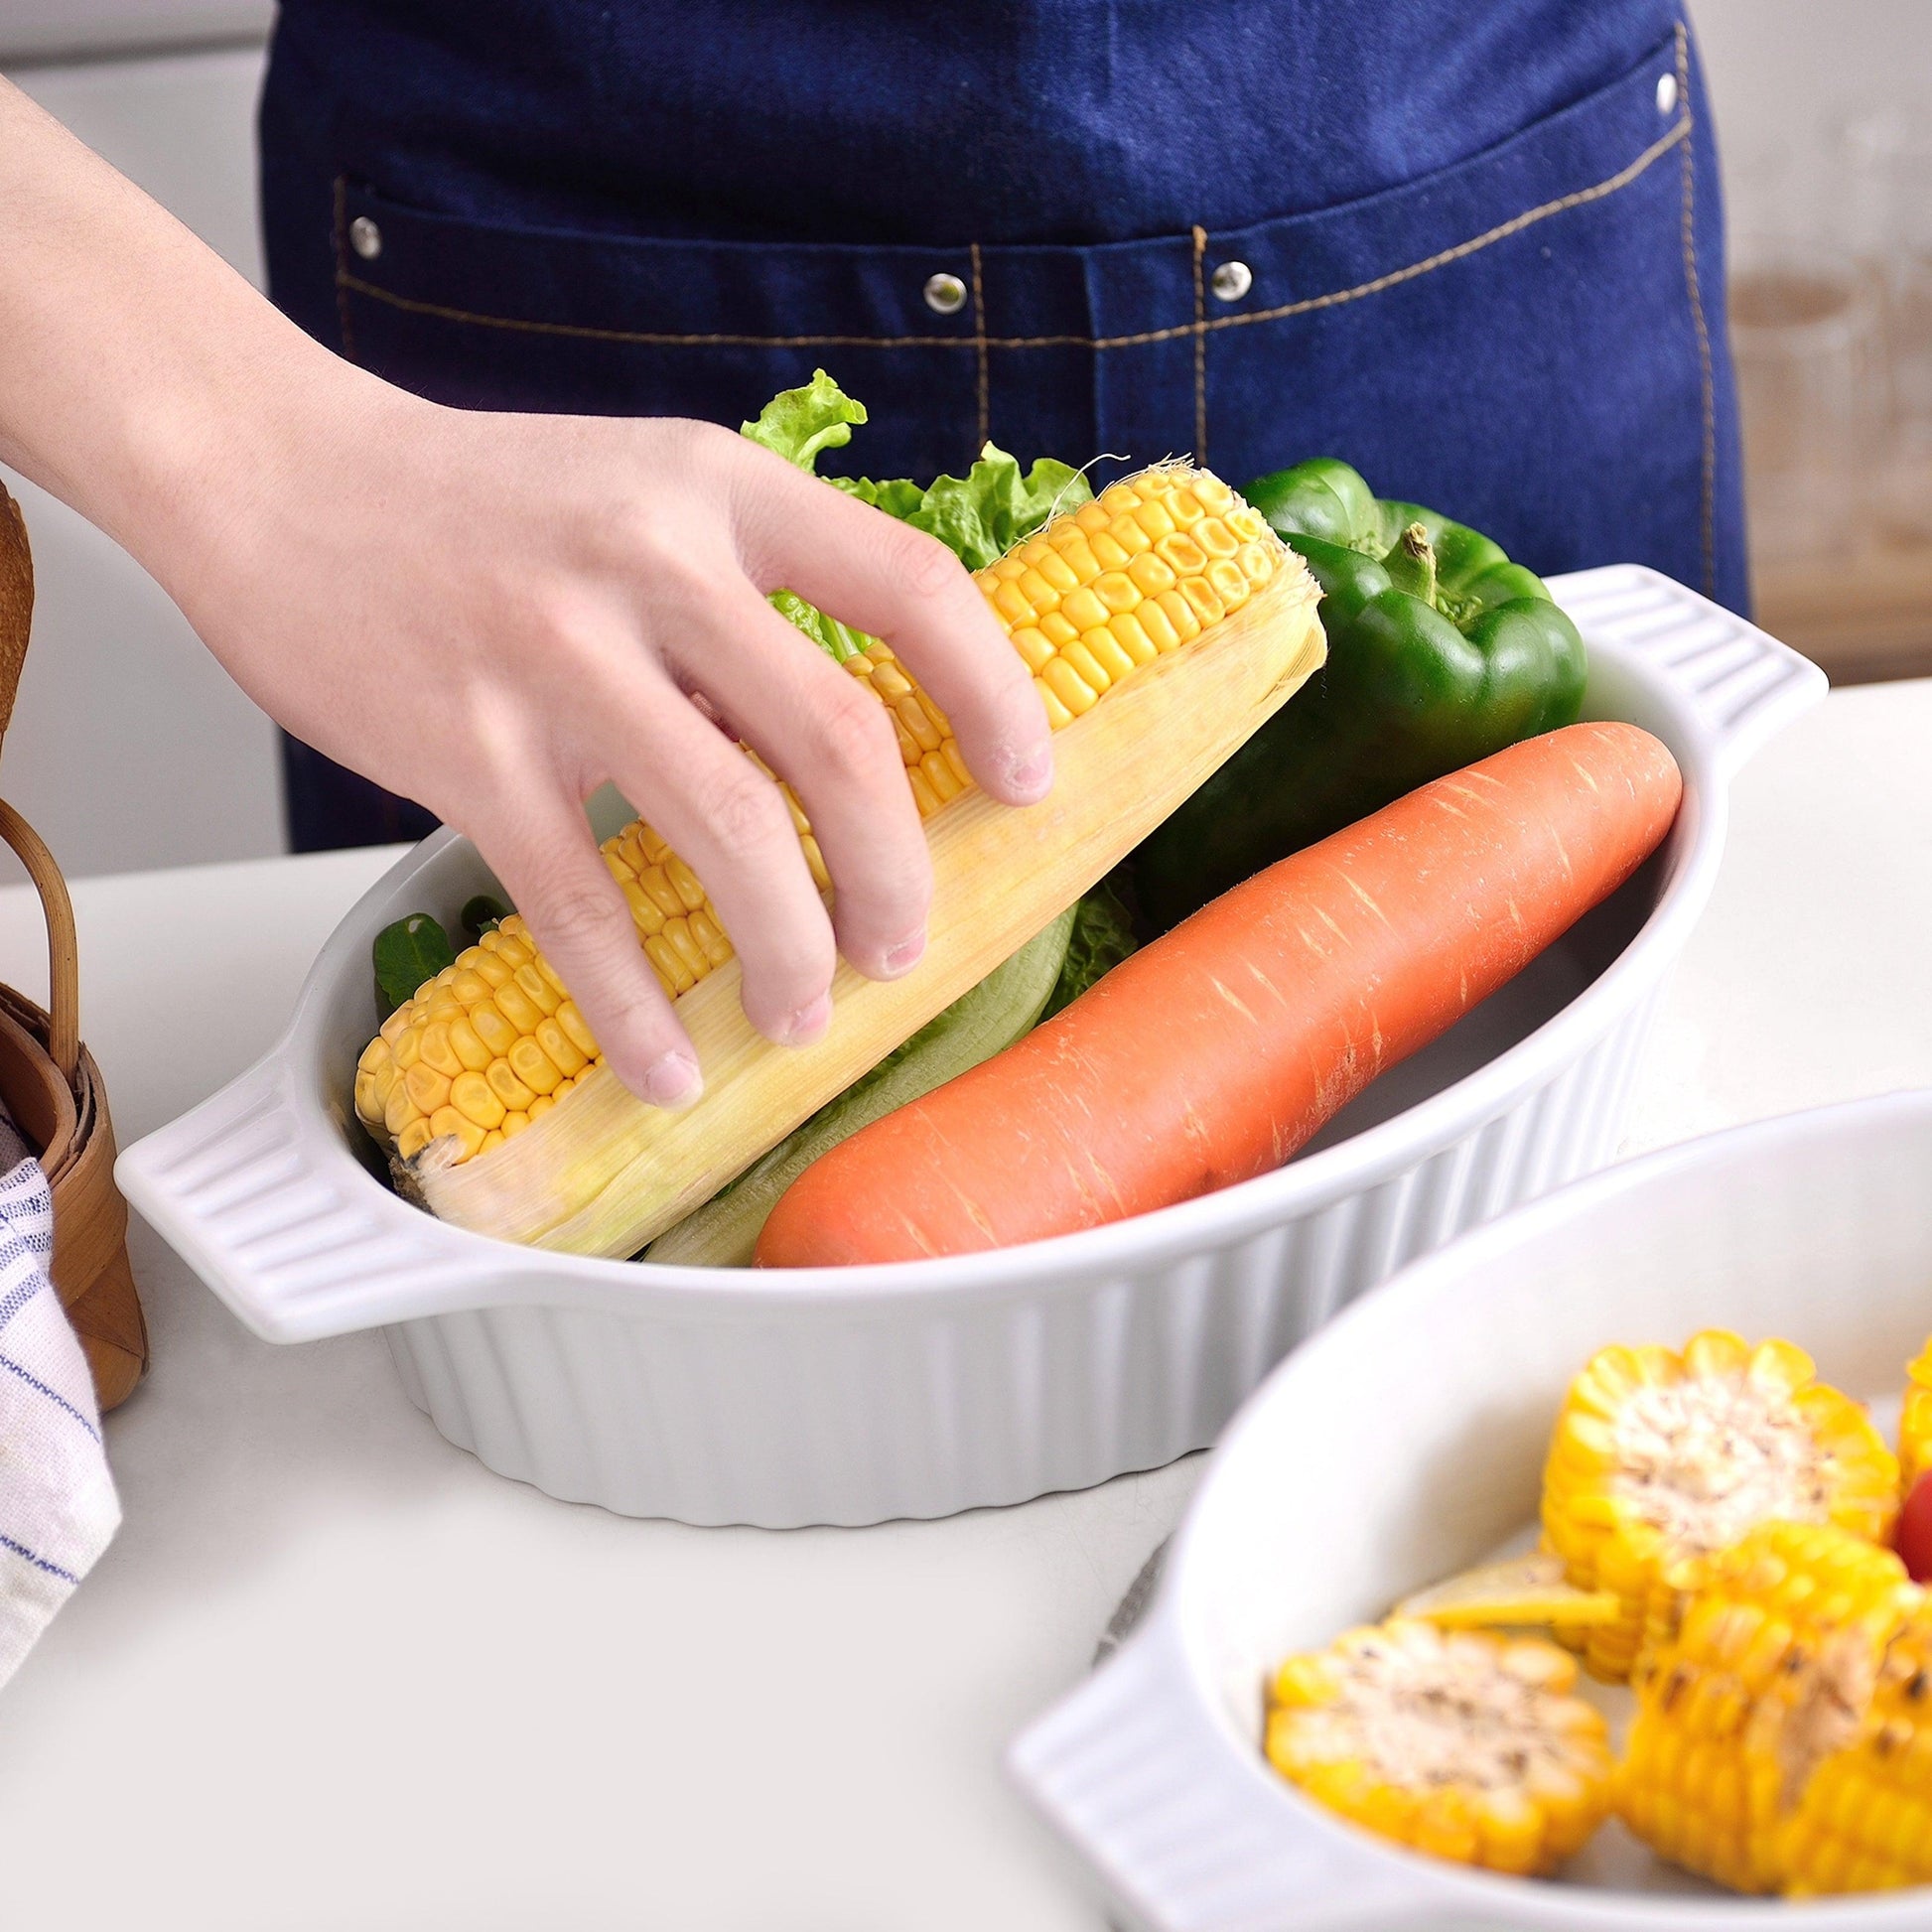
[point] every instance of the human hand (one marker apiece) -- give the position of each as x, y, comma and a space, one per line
496, 614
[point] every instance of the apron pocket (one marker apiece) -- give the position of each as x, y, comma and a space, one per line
494, 316
1526, 340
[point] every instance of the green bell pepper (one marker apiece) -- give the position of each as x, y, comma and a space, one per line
1440, 651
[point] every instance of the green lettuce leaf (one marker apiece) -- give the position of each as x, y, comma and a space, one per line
1101, 939
838, 641
898, 498
797, 424
979, 516
404, 955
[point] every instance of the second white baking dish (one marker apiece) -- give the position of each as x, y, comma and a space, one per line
1407, 1442
849, 1396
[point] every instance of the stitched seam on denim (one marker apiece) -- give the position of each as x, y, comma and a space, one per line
1707, 506
342, 277
1200, 351
983, 384
646, 338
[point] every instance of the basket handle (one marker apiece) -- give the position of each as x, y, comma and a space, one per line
62, 950
62, 944
16, 601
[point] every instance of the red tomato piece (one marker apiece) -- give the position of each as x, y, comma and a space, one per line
1914, 1539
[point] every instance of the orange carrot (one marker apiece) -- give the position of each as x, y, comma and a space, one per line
1213, 1053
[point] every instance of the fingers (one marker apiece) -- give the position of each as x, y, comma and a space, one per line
732, 826
550, 865
881, 576
836, 744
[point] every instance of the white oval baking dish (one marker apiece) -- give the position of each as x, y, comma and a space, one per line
1406, 1442
849, 1396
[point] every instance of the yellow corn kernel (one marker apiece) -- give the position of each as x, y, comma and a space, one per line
1081, 661
1207, 600
1069, 686
1059, 717
449, 1124
1103, 647
1009, 601
1079, 557
912, 714
533, 1067
1181, 614
1032, 648
677, 977
1131, 636
476, 1098
1039, 593
1182, 555
1083, 609
1159, 626
427, 1088
511, 1091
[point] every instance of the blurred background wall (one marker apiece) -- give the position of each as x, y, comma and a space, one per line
130, 748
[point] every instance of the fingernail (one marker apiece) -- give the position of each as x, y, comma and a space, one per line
808, 1022
1033, 775
905, 955
673, 1080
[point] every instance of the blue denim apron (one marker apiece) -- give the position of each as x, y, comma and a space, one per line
1482, 245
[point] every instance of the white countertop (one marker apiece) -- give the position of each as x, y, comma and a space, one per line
335, 1674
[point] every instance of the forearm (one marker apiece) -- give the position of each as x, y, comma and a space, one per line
135, 364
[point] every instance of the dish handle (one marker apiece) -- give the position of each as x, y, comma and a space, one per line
1187, 1835
1739, 682
256, 1192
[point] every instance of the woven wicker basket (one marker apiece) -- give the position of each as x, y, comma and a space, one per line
49, 1081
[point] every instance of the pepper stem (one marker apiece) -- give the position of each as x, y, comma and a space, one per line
1411, 564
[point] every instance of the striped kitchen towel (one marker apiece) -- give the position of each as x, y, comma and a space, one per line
57, 1508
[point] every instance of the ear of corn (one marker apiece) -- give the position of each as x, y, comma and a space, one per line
1168, 598
1864, 1820
1783, 1735
1660, 1457
1915, 1422
1464, 1744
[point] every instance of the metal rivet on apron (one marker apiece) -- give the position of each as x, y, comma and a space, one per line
1666, 93
366, 238
1231, 281
945, 295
